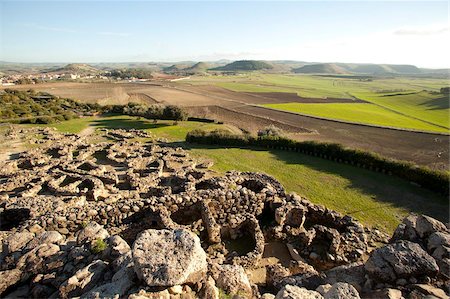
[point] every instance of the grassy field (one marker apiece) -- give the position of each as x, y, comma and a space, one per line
425, 103
373, 198
358, 112
163, 128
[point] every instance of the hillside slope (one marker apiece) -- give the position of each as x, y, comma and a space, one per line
245, 65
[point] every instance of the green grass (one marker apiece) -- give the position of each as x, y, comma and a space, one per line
422, 105
358, 112
373, 198
425, 104
173, 131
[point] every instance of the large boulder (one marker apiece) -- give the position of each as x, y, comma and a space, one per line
169, 257
16, 241
342, 290
294, 292
402, 259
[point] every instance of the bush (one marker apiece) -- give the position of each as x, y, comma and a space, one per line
271, 131
98, 246
172, 112
436, 181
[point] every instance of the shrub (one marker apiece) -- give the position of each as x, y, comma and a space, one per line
270, 131
98, 246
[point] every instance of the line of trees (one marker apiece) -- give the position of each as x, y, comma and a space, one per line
436, 181
169, 112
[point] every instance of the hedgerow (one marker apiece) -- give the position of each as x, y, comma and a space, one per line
433, 180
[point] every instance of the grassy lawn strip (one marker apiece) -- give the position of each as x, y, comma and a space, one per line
357, 112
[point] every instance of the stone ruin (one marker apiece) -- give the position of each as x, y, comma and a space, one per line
126, 219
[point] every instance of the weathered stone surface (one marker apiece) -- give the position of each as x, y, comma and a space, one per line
233, 280
294, 292
341, 290
384, 294
168, 258
16, 241
431, 291
92, 232
9, 278
83, 280
402, 259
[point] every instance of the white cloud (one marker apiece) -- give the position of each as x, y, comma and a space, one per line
427, 30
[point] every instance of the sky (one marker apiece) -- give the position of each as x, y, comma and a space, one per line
396, 32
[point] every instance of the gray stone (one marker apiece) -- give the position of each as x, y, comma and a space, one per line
342, 290
83, 280
16, 241
169, 257
294, 292
402, 259
232, 279
92, 232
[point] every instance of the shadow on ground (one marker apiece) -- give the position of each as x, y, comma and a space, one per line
126, 123
437, 104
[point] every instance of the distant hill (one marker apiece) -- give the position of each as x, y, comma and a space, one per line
79, 68
245, 65
199, 67
379, 69
322, 68
175, 68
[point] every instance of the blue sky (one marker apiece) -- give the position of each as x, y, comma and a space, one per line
331, 31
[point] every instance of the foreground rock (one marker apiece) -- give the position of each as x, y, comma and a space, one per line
402, 259
168, 258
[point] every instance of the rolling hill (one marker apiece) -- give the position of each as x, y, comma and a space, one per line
245, 65
79, 68
323, 68
199, 67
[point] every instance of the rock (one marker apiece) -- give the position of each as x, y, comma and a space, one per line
352, 273
9, 278
275, 274
267, 296
402, 259
83, 280
341, 290
416, 227
116, 248
438, 239
92, 232
47, 237
323, 289
122, 281
430, 290
176, 290
233, 280
294, 292
385, 294
209, 289
16, 241
169, 257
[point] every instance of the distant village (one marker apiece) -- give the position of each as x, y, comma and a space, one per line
18, 79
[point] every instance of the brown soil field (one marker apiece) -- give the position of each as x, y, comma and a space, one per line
238, 109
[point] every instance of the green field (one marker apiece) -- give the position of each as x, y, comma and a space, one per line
174, 131
359, 113
373, 198
394, 93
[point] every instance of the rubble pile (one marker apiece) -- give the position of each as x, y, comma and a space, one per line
124, 219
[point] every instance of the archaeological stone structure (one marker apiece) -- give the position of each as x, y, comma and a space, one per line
124, 216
